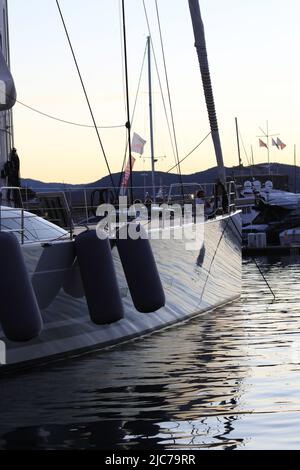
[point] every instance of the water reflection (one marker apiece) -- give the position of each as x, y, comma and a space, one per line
227, 379
139, 435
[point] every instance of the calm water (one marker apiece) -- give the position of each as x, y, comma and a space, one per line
226, 380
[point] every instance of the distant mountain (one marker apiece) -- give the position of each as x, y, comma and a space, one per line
36, 184
138, 180
166, 179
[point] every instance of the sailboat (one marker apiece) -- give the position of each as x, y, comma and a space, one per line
64, 293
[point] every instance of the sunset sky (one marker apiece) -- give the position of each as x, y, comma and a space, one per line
253, 50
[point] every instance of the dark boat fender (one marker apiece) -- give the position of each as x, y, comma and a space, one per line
72, 284
20, 316
99, 278
53, 268
141, 273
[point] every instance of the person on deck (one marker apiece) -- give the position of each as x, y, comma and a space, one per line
222, 203
12, 173
202, 199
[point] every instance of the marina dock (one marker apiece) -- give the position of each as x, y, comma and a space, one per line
271, 250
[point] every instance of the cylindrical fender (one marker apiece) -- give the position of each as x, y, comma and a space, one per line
141, 272
20, 316
99, 278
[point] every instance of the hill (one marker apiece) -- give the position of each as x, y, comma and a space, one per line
166, 179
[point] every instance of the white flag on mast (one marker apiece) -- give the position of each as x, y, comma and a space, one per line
138, 144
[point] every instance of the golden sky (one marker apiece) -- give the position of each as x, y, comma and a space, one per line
254, 61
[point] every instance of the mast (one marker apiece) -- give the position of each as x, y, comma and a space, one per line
128, 124
267, 124
6, 124
151, 119
200, 45
295, 169
10, 113
252, 156
238, 141
267, 136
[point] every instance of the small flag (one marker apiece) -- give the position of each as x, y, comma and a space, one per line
280, 144
138, 144
127, 173
262, 144
275, 144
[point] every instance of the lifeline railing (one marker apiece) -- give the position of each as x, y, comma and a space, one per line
71, 207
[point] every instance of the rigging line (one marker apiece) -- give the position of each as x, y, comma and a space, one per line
122, 54
213, 258
65, 121
257, 265
160, 84
190, 153
128, 125
133, 112
85, 93
244, 148
169, 93
264, 278
163, 100
50, 116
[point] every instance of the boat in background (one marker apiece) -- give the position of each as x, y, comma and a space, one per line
270, 216
268, 208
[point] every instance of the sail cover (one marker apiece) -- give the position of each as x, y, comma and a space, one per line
7, 87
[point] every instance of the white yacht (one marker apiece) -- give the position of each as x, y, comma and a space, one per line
64, 292
269, 211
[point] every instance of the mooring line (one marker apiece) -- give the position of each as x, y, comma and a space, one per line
263, 276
